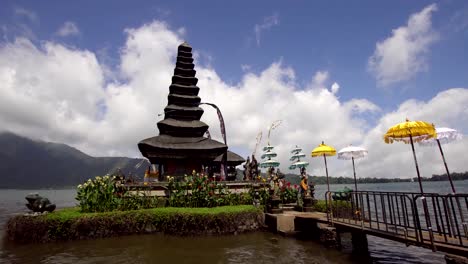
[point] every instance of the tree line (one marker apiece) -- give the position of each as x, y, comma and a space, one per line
456, 176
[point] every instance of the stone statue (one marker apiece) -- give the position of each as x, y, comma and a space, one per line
247, 170
305, 190
37, 203
254, 168
274, 200
279, 174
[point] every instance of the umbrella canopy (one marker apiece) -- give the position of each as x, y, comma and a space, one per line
324, 150
297, 156
417, 130
269, 163
444, 135
352, 152
296, 149
267, 148
269, 154
299, 164
410, 132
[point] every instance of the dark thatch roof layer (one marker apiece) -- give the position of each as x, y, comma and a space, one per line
232, 159
164, 146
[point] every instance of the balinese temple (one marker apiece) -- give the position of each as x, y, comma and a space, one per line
181, 146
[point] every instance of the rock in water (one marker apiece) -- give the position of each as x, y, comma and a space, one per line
37, 203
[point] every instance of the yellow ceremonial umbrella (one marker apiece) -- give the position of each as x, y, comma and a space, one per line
410, 132
324, 150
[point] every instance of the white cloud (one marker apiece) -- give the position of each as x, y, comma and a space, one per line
68, 28
24, 22
56, 93
335, 87
245, 67
30, 15
267, 23
319, 79
447, 109
401, 56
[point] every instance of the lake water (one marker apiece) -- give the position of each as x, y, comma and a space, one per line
260, 247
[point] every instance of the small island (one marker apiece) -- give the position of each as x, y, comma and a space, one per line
188, 189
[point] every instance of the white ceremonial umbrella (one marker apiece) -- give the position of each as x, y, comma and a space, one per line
444, 135
352, 153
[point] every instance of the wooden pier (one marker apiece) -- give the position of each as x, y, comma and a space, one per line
433, 221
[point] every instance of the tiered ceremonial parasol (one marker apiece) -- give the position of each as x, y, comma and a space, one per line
444, 135
324, 150
352, 153
410, 132
296, 157
267, 157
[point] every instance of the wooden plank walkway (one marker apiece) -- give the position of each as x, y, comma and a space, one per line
452, 245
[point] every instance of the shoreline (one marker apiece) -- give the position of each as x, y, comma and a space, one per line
69, 224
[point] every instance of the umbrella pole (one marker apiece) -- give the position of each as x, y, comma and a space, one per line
416, 162
326, 171
446, 167
355, 185
354, 172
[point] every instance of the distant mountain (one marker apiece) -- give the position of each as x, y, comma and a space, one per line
27, 163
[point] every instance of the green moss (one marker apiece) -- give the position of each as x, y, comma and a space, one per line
72, 213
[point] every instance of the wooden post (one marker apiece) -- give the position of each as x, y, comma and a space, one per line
326, 171
446, 167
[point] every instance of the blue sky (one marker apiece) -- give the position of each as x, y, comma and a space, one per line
335, 36
324, 67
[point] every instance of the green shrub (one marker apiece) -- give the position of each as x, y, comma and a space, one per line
104, 194
197, 190
288, 193
338, 206
98, 195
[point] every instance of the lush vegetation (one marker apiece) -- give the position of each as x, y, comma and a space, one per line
72, 224
288, 192
105, 194
197, 190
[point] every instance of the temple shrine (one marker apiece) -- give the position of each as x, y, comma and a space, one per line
181, 146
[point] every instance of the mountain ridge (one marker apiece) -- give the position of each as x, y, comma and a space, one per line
30, 163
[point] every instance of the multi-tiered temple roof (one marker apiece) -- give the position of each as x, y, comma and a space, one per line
181, 132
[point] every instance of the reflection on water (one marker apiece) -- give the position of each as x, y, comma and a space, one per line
247, 248
257, 247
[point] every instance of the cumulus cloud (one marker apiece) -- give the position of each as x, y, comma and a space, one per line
446, 109
68, 28
56, 93
403, 54
268, 22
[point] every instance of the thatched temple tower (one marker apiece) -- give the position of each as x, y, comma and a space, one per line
181, 146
